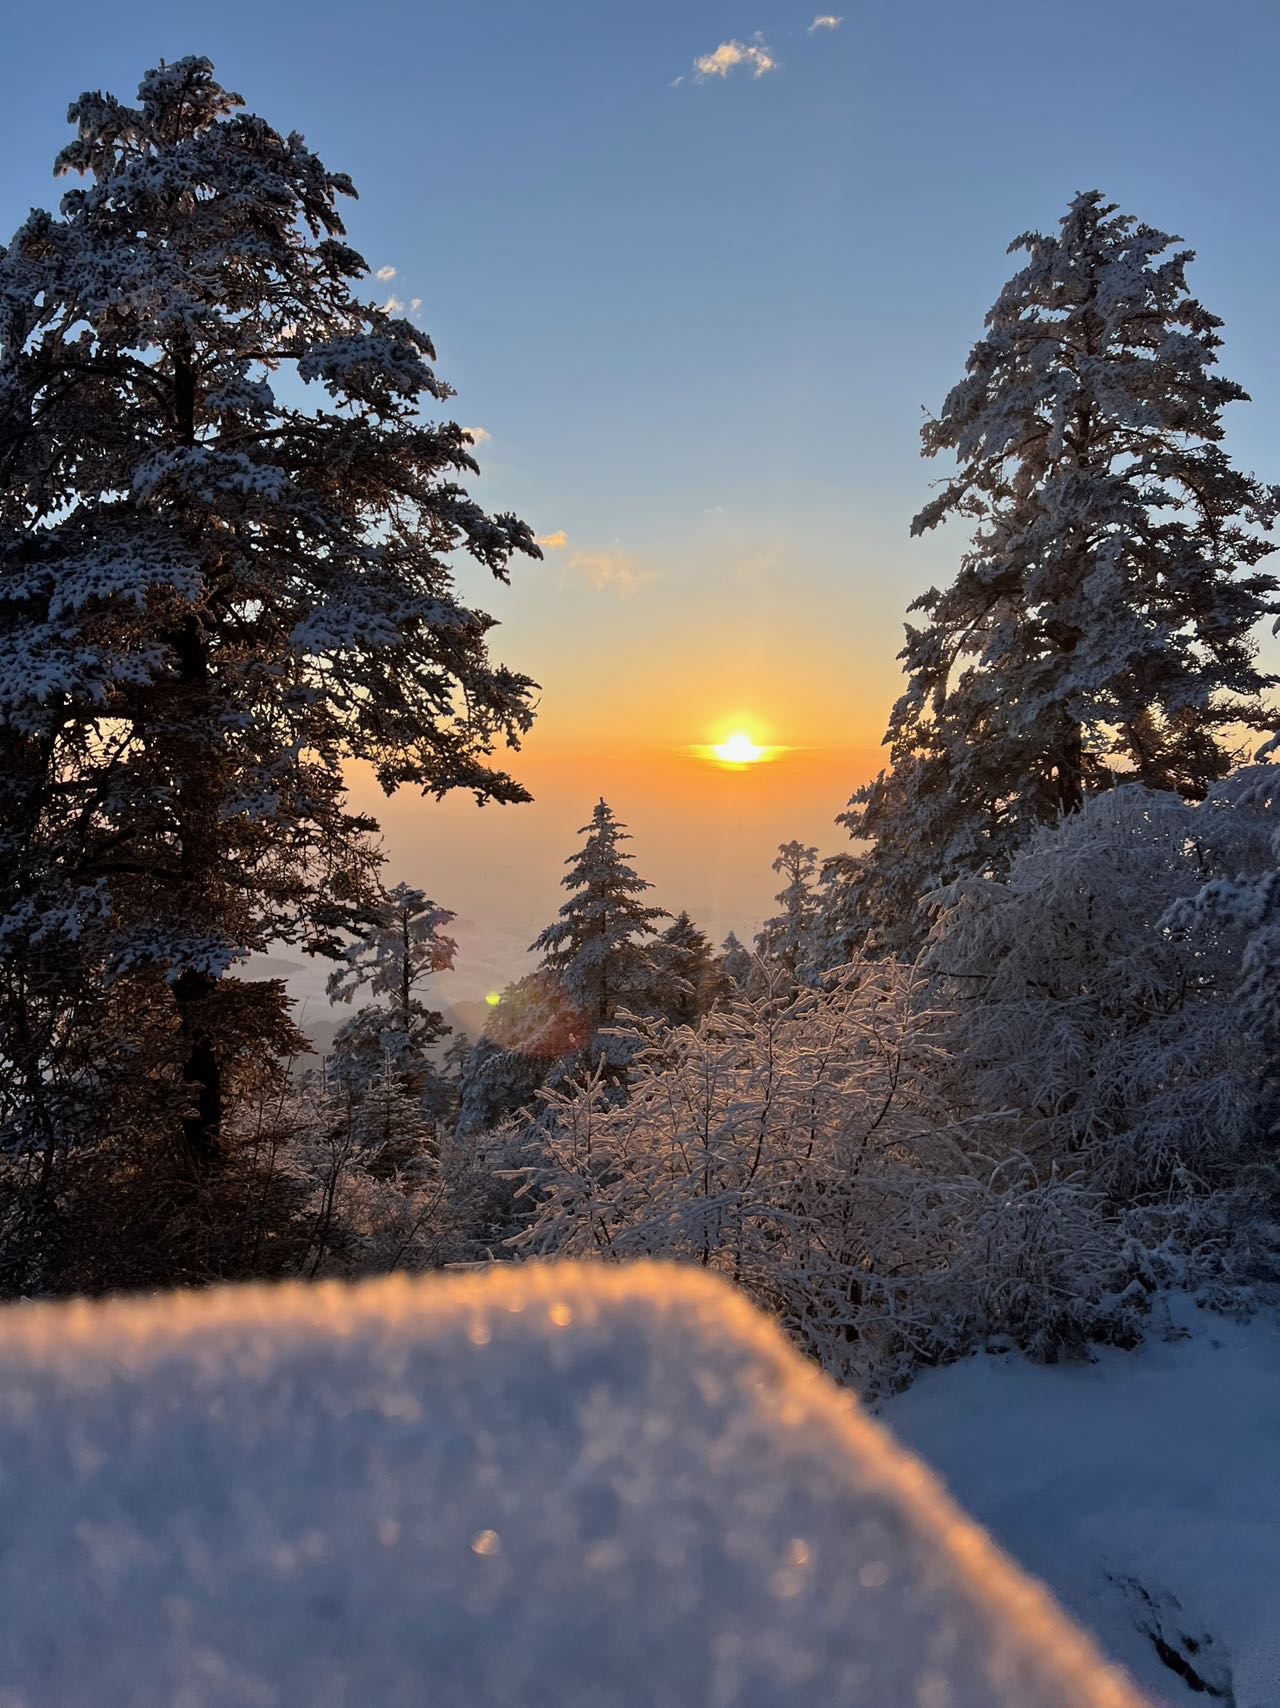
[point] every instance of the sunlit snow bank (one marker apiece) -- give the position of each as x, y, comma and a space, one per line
1144, 1488
542, 1487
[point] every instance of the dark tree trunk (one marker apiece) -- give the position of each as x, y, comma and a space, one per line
1069, 770
195, 994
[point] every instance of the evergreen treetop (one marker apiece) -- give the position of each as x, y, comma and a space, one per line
596, 945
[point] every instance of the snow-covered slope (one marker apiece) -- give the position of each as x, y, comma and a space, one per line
1144, 1488
540, 1486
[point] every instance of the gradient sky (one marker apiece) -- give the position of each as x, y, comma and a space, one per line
699, 319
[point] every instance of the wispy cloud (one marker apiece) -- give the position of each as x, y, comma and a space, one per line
386, 274
478, 434
415, 305
393, 305
730, 55
609, 572
825, 21
554, 542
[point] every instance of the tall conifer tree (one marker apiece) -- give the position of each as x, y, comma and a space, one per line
1101, 623
211, 596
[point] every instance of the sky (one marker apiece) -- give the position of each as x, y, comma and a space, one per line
697, 316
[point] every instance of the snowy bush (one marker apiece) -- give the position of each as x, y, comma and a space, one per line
1109, 1041
798, 1145
1246, 897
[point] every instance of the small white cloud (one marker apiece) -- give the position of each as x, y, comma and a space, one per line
730, 55
478, 435
393, 305
677, 81
610, 572
386, 274
825, 21
415, 305
554, 542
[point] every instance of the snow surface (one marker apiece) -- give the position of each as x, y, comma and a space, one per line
1144, 1488
534, 1486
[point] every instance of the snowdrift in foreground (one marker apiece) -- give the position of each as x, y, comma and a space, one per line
533, 1487
1143, 1487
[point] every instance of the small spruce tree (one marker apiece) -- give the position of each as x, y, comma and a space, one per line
400, 945
738, 966
597, 948
689, 979
786, 940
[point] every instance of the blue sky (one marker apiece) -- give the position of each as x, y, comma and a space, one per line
700, 320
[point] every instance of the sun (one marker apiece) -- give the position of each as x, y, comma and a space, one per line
739, 749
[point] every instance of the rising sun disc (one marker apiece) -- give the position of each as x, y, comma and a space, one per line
739, 749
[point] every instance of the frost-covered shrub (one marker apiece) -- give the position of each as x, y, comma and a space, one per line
799, 1146
1246, 896
1108, 1043
1036, 1262
380, 1178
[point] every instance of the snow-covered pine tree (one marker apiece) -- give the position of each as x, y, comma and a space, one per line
597, 947
1101, 623
399, 946
839, 931
688, 978
738, 965
213, 596
393, 1131
786, 940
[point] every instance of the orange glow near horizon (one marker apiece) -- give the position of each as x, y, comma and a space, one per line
705, 832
